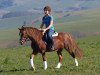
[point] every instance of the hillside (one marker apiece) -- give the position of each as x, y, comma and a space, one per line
78, 23
18, 6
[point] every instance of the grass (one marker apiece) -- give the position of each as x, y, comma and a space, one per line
15, 61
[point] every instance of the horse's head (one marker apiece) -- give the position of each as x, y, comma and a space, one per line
23, 35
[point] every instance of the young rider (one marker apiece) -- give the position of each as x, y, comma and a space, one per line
47, 20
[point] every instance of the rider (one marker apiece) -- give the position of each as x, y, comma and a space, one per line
47, 20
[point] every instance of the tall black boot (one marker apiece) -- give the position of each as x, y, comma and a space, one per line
52, 44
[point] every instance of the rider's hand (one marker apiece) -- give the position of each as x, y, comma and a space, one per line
44, 30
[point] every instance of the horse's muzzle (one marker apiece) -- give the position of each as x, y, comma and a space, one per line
22, 41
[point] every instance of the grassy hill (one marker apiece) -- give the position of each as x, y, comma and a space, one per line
16, 60
15, 8
78, 23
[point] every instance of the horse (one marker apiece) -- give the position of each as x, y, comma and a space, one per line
62, 41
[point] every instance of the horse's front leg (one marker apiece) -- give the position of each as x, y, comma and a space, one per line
60, 59
44, 60
31, 61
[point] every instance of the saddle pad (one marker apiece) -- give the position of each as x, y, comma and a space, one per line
55, 34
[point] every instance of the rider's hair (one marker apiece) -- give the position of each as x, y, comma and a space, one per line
47, 8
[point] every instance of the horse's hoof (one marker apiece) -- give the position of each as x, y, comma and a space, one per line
57, 67
77, 65
33, 69
45, 69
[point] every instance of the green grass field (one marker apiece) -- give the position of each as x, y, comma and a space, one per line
15, 61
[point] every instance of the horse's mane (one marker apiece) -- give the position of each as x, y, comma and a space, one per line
37, 33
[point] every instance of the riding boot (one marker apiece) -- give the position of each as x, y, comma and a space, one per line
52, 45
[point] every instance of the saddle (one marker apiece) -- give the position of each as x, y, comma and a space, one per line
55, 34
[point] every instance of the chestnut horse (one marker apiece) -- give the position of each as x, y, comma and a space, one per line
62, 41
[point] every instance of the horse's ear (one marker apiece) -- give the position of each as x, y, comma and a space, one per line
19, 28
23, 26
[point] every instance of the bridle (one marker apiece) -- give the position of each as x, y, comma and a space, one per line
23, 41
23, 38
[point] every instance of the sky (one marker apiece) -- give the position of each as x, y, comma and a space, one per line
28, 5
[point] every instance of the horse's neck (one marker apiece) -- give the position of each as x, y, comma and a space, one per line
35, 35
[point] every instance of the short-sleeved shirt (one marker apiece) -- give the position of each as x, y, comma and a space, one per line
46, 21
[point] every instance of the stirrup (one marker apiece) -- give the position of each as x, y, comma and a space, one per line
52, 47
45, 43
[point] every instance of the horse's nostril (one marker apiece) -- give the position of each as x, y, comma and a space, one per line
21, 42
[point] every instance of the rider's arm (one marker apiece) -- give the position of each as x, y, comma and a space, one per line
51, 23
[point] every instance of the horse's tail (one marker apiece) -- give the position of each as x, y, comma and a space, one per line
71, 47
78, 52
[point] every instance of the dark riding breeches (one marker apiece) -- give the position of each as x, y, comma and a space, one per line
48, 36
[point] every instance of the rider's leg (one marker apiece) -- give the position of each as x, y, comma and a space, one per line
49, 36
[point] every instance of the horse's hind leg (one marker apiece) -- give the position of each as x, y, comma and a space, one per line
75, 60
73, 55
60, 58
